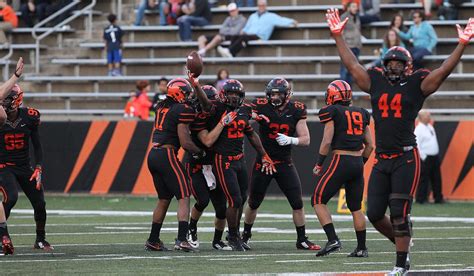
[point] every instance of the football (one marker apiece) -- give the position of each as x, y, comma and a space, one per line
194, 63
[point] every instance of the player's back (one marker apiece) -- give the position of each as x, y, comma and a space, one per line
15, 137
349, 125
168, 115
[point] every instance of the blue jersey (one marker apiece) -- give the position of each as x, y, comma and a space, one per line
113, 37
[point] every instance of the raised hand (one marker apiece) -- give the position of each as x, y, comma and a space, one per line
467, 33
334, 21
228, 118
19, 67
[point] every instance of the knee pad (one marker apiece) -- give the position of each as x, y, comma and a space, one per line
402, 226
400, 205
200, 206
220, 211
255, 201
375, 215
236, 202
354, 206
296, 204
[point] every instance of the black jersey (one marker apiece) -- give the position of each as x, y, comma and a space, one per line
231, 139
15, 137
200, 124
395, 108
168, 115
349, 125
280, 122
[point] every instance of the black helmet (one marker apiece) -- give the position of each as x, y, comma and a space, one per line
211, 91
400, 54
232, 86
280, 86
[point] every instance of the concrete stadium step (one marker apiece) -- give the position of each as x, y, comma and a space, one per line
302, 82
309, 2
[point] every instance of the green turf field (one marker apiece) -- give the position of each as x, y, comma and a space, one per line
101, 240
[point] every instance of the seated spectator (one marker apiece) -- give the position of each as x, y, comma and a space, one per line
142, 108
197, 13
162, 90
9, 21
222, 77
174, 11
369, 11
130, 106
390, 40
113, 44
423, 37
260, 25
245, 3
352, 35
398, 23
160, 5
34, 9
449, 9
231, 27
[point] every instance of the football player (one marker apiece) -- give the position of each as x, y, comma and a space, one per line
171, 131
397, 94
15, 168
7, 245
282, 125
229, 165
203, 181
347, 135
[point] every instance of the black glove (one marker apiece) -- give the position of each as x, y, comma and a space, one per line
199, 155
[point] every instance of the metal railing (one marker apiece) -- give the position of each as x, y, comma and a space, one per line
75, 15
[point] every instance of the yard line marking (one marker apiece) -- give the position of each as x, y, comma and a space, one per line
352, 272
230, 259
39, 254
103, 255
367, 263
298, 261
211, 214
435, 265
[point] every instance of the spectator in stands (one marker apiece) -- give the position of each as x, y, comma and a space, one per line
113, 44
231, 27
143, 105
449, 9
130, 106
222, 76
423, 37
352, 35
245, 3
430, 164
160, 5
197, 13
427, 5
34, 9
369, 11
162, 90
390, 40
260, 25
8, 21
398, 22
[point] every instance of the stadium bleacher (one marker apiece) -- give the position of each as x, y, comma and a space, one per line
73, 66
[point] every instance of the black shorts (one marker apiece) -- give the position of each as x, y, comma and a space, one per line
287, 178
232, 178
343, 170
169, 175
396, 175
201, 191
13, 176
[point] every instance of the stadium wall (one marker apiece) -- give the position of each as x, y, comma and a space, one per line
101, 157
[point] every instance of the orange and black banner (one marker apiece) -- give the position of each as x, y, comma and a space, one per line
103, 157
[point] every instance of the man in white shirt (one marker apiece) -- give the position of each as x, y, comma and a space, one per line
429, 150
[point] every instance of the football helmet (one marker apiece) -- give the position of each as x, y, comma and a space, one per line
232, 93
400, 54
14, 99
180, 90
338, 91
280, 86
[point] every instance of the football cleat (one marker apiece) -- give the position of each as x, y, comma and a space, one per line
183, 246
245, 240
398, 271
220, 245
307, 245
193, 239
155, 246
7, 245
331, 246
43, 245
359, 253
236, 244
407, 264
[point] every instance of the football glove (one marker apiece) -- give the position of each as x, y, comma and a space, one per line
37, 177
334, 21
228, 118
317, 170
468, 32
284, 140
194, 81
199, 155
260, 117
267, 165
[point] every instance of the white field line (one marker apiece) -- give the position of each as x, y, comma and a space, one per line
368, 272
231, 259
39, 254
438, 265
209, 214
298, 261
368, 263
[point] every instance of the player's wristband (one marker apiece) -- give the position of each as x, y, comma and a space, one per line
295, 140
365, 159
321, 159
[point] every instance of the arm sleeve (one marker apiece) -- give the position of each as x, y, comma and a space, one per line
249, 23
407, 35
186, 114
302, 113
282, 21
226, 28
326, 114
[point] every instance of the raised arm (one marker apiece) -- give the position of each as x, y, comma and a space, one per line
7, 86
206, 104
434, 80
358, 71
209, 138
